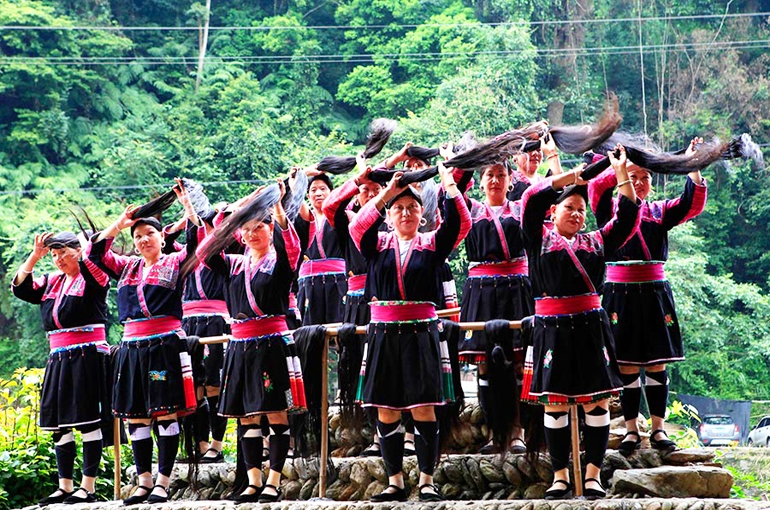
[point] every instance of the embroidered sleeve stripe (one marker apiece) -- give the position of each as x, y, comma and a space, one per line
599, 185
337, 196
363, 221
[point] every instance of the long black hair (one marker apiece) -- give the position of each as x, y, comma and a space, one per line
379, 133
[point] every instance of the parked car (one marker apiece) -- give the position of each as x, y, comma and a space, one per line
719, 430
760, 435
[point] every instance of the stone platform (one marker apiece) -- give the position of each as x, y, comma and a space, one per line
472, 477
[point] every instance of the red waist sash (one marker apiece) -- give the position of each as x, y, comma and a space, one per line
259, 326
321, 266
204, 307
149, 327
91, 333
401, 311
356, 282
567, 305
635, 273
518, 267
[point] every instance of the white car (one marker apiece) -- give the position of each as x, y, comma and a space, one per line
760, 435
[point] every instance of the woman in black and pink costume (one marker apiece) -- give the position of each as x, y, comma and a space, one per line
204, 315
76, 389
498, 284
638, 298
406, 367
339, 208
261, 374
148, 375
322, 274
572, 352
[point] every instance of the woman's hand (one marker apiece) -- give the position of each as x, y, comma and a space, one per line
693, 144
184, 199
312, 170
548, 146
281, 188
126, 219
40, 250
621, 160
445, 150
447, 180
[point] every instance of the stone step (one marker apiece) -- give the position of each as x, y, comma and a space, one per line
576, 504
462, 477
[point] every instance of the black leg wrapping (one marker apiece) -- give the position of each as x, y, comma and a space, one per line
168, 444
141, 444
279, 446
656, 391
408, 422
218, 423
202, 427
391, 446
631, 396
426, 445
66, 450
557, 436
92, 449
250, 437
595, 435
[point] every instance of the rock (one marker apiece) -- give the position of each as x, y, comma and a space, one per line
451, 490
674, 481
334, 491
307, 489
689, 456
524, 466
491, 472
512, 474
439, 478
453, 472
374, 488
467, 477
359, 475
335, 422
291, 490
289, 471
354, 451
376, 468
477, 415
344, 471
650, 458
536, 491
469, 494
301, 466
543, 468
349, 493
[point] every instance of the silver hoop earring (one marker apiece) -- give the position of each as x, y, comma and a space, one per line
510, 187
583, 228
136, 250
390, 227
423, 221
163, 244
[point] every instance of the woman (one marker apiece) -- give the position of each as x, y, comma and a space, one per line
498, 285
573, 352
638, 299
148, 383
404, 365
261, 370
339, 208
527, 164
205, 314
73, 307
322, 275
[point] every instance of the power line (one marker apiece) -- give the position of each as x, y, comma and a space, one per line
388, 57
636, 19
129, 187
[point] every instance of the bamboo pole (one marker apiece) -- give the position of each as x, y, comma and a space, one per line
573, 425
116, 454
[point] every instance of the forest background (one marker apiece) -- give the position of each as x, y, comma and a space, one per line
103, 102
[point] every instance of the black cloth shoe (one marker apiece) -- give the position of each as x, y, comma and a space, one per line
565, 493
434, 495
662, 445
409, 448
74, 500
592, 494
628, 445
398, 494
218, 457
518, 446
373, 450
249, 498
136, 499
154, 498
270, 498
487, 449
58, 496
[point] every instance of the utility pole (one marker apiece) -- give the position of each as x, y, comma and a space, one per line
203, 39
